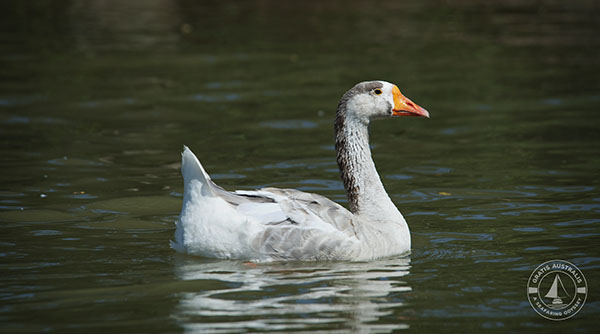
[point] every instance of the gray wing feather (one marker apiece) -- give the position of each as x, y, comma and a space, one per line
303, 205
314, 228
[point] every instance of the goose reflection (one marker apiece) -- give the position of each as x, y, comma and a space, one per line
232, 296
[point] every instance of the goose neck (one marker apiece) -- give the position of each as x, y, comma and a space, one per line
364, 189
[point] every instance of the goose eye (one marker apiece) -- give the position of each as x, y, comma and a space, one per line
377, 91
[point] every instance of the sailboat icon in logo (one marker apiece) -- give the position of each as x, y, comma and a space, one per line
555, 293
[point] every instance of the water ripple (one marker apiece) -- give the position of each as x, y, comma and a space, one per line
445, 237
298, 296
289, 124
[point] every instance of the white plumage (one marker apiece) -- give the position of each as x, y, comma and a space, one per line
284, 224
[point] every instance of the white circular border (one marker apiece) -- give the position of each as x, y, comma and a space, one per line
582, 303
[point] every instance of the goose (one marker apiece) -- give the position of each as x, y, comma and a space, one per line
272, 224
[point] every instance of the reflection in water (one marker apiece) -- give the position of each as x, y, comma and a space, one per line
232, 296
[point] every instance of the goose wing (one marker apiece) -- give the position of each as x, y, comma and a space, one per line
296, 208
299, 225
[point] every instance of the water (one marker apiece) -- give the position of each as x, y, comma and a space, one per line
96, 101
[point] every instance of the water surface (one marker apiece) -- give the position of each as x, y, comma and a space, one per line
97, 99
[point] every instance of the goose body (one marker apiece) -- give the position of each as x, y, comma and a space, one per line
273, 224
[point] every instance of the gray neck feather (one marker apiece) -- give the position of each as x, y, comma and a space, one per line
364, 189
345, 160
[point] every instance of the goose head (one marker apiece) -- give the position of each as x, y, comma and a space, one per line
377, 99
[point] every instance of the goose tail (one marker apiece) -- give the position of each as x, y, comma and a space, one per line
197, 186
192, 169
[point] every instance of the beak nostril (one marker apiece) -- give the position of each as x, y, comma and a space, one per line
410, 104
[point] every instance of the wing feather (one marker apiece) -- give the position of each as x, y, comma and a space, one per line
299, 225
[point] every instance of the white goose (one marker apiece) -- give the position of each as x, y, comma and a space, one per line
273, 224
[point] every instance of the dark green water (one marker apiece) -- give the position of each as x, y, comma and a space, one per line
97, 99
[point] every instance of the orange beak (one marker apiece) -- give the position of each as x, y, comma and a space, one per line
405, 107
